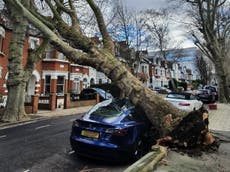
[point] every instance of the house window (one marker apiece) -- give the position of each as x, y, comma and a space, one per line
2, 36
60, 85
61, 56
156, 72
49, 53
0, 72
85, 84
47, 84
142, 69
33, 42
1, 43
146, 69
100, 81
76, 85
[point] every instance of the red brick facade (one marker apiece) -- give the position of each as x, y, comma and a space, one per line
53, 75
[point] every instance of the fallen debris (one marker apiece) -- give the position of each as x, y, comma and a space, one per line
149, 161
191, 133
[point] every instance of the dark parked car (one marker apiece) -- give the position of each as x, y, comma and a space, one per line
213, 90
90, 94
112, 130
205, 96
162, 90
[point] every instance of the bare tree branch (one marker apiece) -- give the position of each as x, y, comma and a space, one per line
108, 43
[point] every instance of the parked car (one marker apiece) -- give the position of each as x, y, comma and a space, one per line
184, 101
213, 89
162, 90
112, 130
90, 94
205, 95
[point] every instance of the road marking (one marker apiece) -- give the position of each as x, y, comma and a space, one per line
26, 171
71, 120
3, 136
44, 126
71, 152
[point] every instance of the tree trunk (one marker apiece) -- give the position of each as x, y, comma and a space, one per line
223, 84
15, 84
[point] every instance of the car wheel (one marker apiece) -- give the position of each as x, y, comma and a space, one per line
138, 151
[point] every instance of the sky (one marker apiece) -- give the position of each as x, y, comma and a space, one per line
143, 4
177, 32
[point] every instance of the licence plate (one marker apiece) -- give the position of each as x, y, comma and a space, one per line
90, 134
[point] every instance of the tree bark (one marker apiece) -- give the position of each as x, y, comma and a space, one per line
223, 83
15, 110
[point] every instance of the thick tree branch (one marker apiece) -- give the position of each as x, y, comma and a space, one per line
49, 34
107, 41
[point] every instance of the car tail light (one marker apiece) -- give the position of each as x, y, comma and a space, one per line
117, 132
184, 104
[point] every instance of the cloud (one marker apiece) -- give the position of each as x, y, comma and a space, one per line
145, 4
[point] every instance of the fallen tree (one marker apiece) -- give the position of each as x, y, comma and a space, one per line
78, 48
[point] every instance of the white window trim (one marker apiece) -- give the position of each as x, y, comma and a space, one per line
2, 32
1, 71
33, 39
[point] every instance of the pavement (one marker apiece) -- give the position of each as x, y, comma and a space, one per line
46, 114
219, 120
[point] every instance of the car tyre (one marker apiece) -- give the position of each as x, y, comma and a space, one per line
138, 150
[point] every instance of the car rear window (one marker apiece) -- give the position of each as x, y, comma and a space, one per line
202, 91
110, 109
107, 111
181, 96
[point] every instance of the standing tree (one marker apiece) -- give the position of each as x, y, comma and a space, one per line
204, 69
19, 75
211, 19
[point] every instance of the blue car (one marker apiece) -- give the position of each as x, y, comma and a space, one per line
112, 130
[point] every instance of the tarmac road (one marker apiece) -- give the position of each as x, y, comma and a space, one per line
43, 146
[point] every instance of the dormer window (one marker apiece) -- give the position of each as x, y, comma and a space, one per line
33, 43
61, 56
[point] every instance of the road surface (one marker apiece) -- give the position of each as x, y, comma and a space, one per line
43, 146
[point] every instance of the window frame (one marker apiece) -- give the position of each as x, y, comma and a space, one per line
60, 85
47, 84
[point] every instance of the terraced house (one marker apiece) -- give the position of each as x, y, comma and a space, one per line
53, 75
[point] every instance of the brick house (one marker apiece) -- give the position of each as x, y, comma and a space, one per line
53, 75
